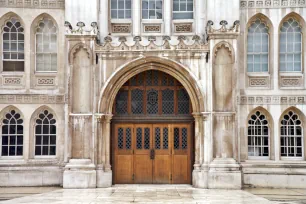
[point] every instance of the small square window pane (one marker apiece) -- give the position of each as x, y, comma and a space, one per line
297, 66
159, 14
114, 13
290, 58
297, 47
176, 6
152, 14
297, 37
190, 6
38, 150
145, 14
128, 4
128, 14
264, 58
159, 5
283, 48
290, 47
45, 140
145, 4
120, 4
13, 36
257, 68
45, 150
19, 140
19, 150
265, 67
12, 140
14, 56
12, 151
6, 46
52, 140
6, 36
121, 14
183, 6
13, 47
20, 56
38, 140
114, 4
4, 151
52, 150
250, 67
21, 37
151, 4
52, 129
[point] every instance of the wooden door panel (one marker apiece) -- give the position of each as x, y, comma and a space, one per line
124, 169
142, 169
162, 169
180, 169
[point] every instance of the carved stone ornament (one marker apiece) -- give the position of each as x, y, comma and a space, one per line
32, 99
223, 29
270, 100
37, 4
250, 4
80, 30
139, 45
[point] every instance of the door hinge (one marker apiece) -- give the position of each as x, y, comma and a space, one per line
133, 177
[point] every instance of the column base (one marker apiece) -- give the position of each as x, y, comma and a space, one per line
199, 179
224, 173
79, 173
104, 178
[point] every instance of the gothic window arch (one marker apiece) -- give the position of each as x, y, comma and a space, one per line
258, 135
46, 46
182, 9
121, 9
45, 134
152, 9
290, 52
258, 47
13, 46
12, 134
291, 135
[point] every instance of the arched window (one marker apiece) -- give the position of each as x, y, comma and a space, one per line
291, 135
258, 135
152, 9
121, 9
290, 46
258, 47
45, 134
46, 46
13, 46
182, 9
12, 134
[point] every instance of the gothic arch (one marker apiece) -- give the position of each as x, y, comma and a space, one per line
8, 108
265, 19
76, 48
8, 16
127, 71
266, 113
228, 47
296, 16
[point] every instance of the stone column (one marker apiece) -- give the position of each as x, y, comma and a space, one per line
198, 177
167, 16
104, 172
107, 142
136, 17
103, 19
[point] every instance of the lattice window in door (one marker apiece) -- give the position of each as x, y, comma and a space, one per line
168, 101
128, 138
157, 138
176, 138
122, 102
152, 101
165, 138
147, 138
137, 101
120, 138
183, 102
139, 138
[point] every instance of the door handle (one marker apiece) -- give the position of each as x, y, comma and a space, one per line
152, 154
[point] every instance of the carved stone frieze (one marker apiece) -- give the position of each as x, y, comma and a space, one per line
267, 100
152, 28
183, 27
258, 82
121, 28
246, 4
12, 81
291, 81
196, 45
43, 4
45, 81
32, 99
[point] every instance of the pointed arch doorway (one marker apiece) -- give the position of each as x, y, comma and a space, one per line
152, 131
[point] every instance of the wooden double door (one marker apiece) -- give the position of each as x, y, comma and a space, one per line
152, 153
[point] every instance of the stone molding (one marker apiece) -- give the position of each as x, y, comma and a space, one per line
32, 99
37, 4
45, 81
276, 100
247, 4
121, 27
12, 81
152, 46
291, 81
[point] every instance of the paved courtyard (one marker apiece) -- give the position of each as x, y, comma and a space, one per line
153, 194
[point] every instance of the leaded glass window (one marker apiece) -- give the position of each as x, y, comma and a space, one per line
258, 47
12, 134
45, 134
46, 46
121, 9
13, 46
182, 9
291, 46
152, 9
291, 132
152, 93
258, 135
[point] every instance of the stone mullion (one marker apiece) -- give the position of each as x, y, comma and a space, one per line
107, 135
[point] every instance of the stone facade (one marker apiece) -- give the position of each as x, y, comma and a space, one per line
207, 54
